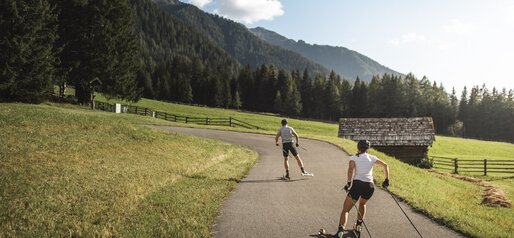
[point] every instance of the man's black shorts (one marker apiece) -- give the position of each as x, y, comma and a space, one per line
361, 189
286, 147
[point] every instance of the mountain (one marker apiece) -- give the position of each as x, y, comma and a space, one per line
343, 61
176, 58
237, 40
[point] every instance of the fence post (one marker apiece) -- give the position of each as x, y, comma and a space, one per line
136, 109
456, 164
485, 167
146, 110
186, 120
206, 121
230, 121
165, 116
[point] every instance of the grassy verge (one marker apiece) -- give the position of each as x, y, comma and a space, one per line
452, 202
73, 172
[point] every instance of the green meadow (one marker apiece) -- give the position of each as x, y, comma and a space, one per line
69, 171
452, 202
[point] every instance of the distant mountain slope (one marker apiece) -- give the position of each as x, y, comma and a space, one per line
343, 61
237, 40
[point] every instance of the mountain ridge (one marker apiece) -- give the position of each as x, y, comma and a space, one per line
348, 63
237, 40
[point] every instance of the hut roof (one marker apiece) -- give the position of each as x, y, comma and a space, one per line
417, 131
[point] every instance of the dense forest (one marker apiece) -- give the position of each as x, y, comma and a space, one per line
136, 50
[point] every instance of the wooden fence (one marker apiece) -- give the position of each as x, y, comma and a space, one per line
143, 111
485, 166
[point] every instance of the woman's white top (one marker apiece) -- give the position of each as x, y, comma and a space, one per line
364, 167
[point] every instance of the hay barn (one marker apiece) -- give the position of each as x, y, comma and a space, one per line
407, 139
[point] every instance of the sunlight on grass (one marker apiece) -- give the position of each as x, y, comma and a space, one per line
73, 172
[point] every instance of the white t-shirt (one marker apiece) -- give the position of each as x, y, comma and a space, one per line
286, 133
364, 167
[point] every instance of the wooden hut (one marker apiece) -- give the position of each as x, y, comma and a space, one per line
407, 139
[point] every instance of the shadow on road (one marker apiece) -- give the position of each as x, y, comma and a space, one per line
278, 179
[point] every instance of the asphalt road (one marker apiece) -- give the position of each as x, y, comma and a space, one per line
263, 205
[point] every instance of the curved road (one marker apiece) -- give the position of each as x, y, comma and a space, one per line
263, 205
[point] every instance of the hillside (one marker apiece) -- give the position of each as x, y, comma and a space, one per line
343, 61
237, 40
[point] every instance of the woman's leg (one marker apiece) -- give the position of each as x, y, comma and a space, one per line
347, 206
362, 208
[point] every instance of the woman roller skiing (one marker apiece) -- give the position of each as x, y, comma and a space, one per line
361, 186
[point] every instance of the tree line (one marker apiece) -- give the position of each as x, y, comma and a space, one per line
137, 50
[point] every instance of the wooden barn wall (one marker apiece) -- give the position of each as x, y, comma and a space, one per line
408, 154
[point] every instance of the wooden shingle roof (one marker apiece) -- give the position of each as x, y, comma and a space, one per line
417, 131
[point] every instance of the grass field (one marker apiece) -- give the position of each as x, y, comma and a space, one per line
78, 173
450, 201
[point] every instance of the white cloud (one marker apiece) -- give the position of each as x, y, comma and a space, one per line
411, 37
508, 17
457, 26
200, 3
443, 45
250, 11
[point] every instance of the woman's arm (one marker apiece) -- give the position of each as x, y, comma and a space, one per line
351, 168
386, 168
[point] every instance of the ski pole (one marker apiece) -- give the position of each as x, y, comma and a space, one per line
404, 212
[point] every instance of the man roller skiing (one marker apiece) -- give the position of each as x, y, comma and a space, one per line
287, 134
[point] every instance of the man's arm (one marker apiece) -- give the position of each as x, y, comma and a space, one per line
297, 138
276, 138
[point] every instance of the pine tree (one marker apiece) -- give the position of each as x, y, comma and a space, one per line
277, 103
306, 92
355, 100
236, 101
318, 106
28, 33
99, 40
345, 95
184, 91
331, 97
291, 97
454, 103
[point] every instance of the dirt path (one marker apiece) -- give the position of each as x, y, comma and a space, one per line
263, 205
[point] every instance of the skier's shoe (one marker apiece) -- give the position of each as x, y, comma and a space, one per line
305, 173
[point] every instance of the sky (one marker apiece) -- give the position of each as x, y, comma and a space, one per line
456, 42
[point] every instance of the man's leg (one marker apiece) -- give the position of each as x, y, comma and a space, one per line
286, 163
299, 161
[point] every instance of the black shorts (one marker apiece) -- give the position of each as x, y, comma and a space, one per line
286, 147
361, 189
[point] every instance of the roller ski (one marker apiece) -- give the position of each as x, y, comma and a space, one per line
323, 234
339, 234
357, 228
286, 177
305, 173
